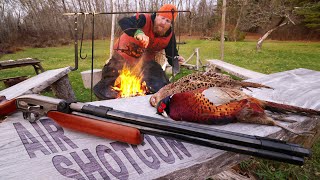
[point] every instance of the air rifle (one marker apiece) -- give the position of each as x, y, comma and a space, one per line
128, 127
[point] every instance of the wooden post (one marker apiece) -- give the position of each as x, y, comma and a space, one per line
223, 23
112, 29
62, 89
138, 5
198, 59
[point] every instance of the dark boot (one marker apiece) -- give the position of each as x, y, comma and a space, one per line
110, 72
154, 76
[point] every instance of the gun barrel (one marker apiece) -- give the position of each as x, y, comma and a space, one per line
263, 153
197, 131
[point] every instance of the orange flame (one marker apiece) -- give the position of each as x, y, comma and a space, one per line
129, 83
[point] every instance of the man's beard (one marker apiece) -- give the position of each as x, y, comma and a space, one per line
159, 31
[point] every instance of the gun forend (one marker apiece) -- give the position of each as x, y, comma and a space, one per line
7, 107
98, 128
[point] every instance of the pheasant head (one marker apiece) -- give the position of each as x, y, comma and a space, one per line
163, 106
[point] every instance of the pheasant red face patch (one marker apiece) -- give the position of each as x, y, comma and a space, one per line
161, 107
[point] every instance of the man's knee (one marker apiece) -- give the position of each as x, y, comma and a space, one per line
112, 68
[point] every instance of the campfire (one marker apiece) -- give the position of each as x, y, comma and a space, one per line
129, 83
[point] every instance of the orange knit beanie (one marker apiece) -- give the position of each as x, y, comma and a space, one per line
168, 7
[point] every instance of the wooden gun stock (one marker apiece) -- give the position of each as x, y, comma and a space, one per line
8, 107
98, 128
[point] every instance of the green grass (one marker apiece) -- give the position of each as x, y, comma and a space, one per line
265, 169
58, 57
275, 56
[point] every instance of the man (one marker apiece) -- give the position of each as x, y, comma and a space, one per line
144, 36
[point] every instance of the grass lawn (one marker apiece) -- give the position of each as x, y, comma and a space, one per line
276, 56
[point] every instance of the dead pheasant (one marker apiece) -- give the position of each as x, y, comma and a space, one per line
223, 106
200, 80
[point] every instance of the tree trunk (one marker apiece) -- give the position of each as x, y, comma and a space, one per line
223, 23
238, 20
62, 89
70, 29
264, 37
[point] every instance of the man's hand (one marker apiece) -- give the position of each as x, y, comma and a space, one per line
181, 60
140, 36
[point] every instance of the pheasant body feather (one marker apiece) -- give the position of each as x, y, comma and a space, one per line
200, 80
223, 106
196, 108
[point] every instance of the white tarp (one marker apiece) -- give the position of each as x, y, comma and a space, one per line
43, 150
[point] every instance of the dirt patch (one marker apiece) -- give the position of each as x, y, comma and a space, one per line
6, 49
252, 36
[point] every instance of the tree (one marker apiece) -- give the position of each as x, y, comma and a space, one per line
310, 10
268, 15
242, 7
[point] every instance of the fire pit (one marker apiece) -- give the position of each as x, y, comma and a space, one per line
146, 77
129, 82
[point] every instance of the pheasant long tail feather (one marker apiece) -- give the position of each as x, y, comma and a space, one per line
283, 108
253, 85
297, 132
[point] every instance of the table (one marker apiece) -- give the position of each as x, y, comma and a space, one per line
19, 63
22, 62
57, 79
43, 150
